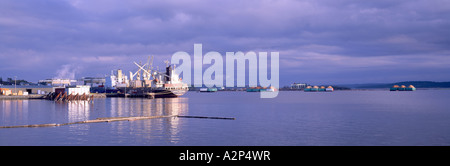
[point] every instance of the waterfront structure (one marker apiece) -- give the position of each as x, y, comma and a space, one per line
319, 89
116, 80
329, 89
394, 88
322, 88
410, 88
5, 91
73, 90
307, 89
208, 90
298, 86
58, 82
261, 89
70, 93
92, 81
78, 89
402, 88
29, 89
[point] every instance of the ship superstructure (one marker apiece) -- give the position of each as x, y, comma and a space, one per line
147, 82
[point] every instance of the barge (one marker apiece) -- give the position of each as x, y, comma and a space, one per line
261, 89
318, 89
402, 88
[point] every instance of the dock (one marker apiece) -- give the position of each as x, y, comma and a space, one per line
22, 97
69, 97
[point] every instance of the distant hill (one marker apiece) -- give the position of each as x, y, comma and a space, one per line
417, 84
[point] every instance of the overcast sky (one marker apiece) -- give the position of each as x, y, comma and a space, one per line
320, 41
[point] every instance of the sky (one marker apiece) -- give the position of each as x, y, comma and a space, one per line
319, 41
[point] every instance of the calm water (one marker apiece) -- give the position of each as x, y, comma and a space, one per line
293, 118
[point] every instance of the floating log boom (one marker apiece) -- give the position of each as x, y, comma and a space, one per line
113, 119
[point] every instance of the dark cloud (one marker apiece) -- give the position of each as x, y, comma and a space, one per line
318, 40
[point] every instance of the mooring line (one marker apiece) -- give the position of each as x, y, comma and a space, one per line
112, 119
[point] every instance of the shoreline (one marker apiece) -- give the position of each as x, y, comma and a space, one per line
103, 95
370, 89
36, 96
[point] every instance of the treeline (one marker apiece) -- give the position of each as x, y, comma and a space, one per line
10, 81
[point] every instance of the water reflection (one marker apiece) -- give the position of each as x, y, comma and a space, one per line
167, 128
140, 132
13, 111
78, 111
121, 107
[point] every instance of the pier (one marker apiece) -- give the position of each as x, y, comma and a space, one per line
17, 97
69, 97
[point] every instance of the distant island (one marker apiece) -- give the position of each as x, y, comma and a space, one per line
417, 84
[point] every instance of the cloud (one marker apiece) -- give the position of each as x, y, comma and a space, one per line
400, 39
311, 35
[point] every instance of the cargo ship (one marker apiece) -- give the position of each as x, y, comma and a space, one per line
402, 88
149, 83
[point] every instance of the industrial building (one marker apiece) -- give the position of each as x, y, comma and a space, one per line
73, 90
42, 90
57, 82
116, 79
298, 86
92, 81
23, 90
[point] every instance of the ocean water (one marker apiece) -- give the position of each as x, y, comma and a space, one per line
294, 118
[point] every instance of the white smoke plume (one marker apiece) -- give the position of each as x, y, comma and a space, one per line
67, 71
